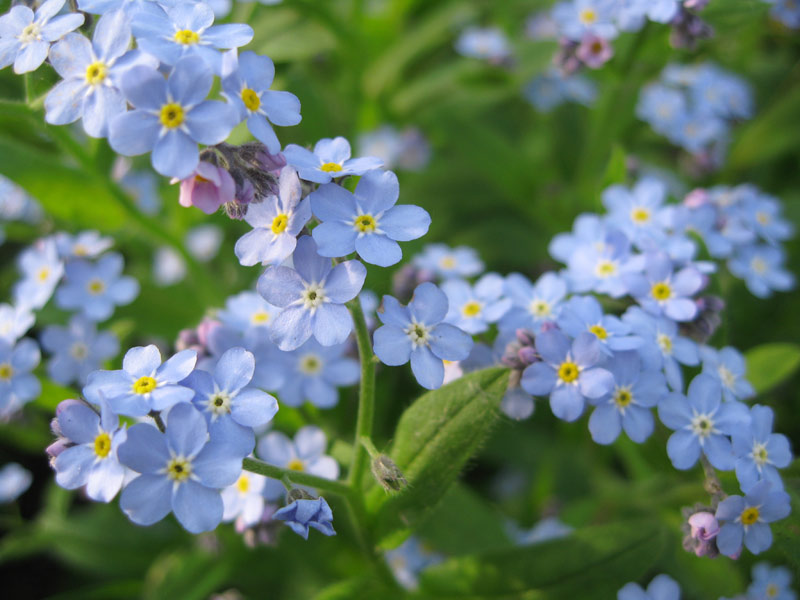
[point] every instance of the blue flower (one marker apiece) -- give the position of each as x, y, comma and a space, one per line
91, 72
330, 159
533, 304
662, 292
473, 308
662, 587
249, 314
91, 459
446, 262
17, 385
181, 471
185, 29
41, 271
276, 222
639, 212
366, 221
576, 18
86, 244
14, 480
171, 116
759, 452
314, 373
14, 322
416, 333
762, 269
312, 296
662, 107
77, 349
143, 384
762, 213
787, 12
702, 423
601, 265
302, 514
747, 518
568, 372
628, 406
553, 88
717, 92
142, 186
230, 405
25, 37
409, 559
584, 313
728, 367
771, 583
95, 289
489, 43
245, 83
244, 500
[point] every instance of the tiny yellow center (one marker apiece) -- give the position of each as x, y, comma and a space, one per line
665, 343
96, 286
30, 33
623, 397
540, 308
365, 223
471, 309
447, 262
172, 115
187, 37
331, 167
80, 250
280, 223
310, 364
758, 265
6, 372
179, 469
588, 16
259, 318
295, 465
640, 215
599, 331
605, 268
568, 372
96, 73
749, 516
661, 291
43, 274
102, 445
251, 100
79, 351
762, 218
144, 385
243, 484
772, 590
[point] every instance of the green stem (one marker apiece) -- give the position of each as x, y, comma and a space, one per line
366, 395
298, 477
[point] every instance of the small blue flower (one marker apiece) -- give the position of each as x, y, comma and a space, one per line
728, 367
244, 500
249, 314
553, 88
416, 333
17, 385
14, 480
762, 269
229, 403
143, 384
302, 514
717, 92
330, 159
276, 222
747, 518
181, 471
533, 304
771, 583
702, 423
787, 12
588, 229
25, 37
245, 83
77, 349
759, 452
203, 241
366, 221
171, 116
662, 107
15, 321
86, 244
601, 265
473, 308
91, 460
762, 213
41, 271
661, 292
568, 373
576, 18
445, 262
409, 559
315, 373
639, 212
584, 313
312, 296
95, 289
489, 43
662, 587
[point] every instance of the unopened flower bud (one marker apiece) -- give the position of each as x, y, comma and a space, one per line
704, 526
208, 188
527, 355
525, 337
700, 528
298, 494
272, 163
387, 474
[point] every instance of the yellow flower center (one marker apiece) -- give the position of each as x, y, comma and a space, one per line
471, 309
172, 115
251, 99
295, 465
31, 33
588, 16
772, 590
661, 291
96, 73
665, 343
605, 268
640, 215
243, 484
331, 167
762, 218
80, 250
6, 372
102, 445
447, 262
187, 37
179, 469
568, 372
749, 515
259, 318
623, 397
758, 265
43, 274
540, 308
599, 331
365, 223
280, 223
144, 385
96, 286
310, 364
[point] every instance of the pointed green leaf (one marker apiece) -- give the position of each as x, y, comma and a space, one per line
769, 365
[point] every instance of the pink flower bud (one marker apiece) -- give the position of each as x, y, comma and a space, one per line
704, 526
594, 51
208, 188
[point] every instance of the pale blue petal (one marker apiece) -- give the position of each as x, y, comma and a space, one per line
147, 499
197, 507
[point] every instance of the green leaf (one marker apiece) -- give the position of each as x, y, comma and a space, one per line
592, 563
616, 170
435, 438
771, 364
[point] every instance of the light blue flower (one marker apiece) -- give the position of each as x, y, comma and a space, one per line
95, 289
576, 18
15, 321
416, 333
489, 43
661, 106
473, 308
759, 452
203, 241
244, 500
186, 29
702, 423
77, 349
232, 407
142, 186
720, 93
249, 314
762, 213
409, 559
601, 265
553, 88
171, 116
314, 374
366, 221
86, 244
696, 131
41, 271
662, 587
661, 292
181, 471
771, 583
588, 229
17, 384
143, 384
747, 518
245, 83
639, 212
445, 262
728, 367
91, 459
632, 14
569, 373
584, 313
762, 269
787, 12
635, 393
302, 514
25, 36
329, 160
14, 480
533, 305
312, 296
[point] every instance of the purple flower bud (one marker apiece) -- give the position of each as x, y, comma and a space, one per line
57, 447
527, 355
208, 188
594, 51
704, 526
206, 329
271, 162
525, 337
696, 198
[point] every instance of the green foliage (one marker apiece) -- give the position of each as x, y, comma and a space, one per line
771, 364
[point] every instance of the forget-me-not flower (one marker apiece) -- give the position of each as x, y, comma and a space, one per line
329, 160
747, 518
17, 384
77, 349
762, 269
315, 373
14, 480
759, 452
489, 43
446, 262
729, 367
473, 308
249, 314
576, 18
244, 500
86, 244
584, 313
600, 265
662, 292
638, 212
14, 322
771, 583
95, 289
41, 271
662, 587
533, 304
302, 514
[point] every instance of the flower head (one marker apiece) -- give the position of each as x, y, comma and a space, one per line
747, 518
302, 514
95, 289
329, 160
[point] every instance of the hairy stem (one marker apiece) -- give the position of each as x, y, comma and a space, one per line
297, 477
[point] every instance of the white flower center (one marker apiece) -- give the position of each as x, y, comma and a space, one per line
79, 351
702, 426
419, 333
31, 33
310, 364
728, 379
665, 343
313, 296
219, 403
760, 454
540, 308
